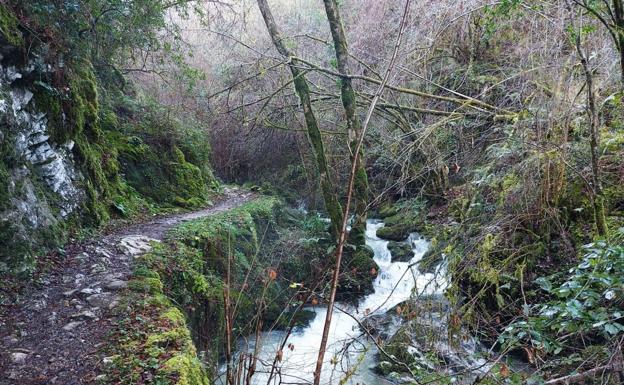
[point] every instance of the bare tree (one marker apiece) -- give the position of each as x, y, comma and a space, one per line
594, 131
354, 127
352, 176
611, 16
314, 134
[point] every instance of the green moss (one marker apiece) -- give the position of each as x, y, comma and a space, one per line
360, 269
398, 232
172, 337
187, 369
387, 211
146, 285
84, 111
174, 316
164, 176
9, 27
400, 251
154, 339
4, 186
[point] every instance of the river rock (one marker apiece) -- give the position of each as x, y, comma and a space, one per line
395, 233
382, 325
425, 329
401, 251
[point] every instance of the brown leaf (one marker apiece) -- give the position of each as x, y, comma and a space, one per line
504, 370
455, 320
530, 355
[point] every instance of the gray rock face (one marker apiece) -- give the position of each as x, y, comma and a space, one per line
39, 167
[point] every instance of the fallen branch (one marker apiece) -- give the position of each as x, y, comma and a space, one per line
580, 377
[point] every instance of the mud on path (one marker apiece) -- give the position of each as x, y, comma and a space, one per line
56, 334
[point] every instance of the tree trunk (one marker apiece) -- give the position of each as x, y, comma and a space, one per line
354, 128
618, 18
302, 89
621, 50
594, 137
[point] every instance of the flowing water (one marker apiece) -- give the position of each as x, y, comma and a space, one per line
348, 350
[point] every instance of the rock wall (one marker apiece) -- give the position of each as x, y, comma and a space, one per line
77, 149
40, 180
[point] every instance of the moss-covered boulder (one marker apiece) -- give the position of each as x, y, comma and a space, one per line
387, 211
395, 233
399, 225
401, 251
360, 270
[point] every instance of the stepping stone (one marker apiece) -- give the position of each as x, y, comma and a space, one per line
85, 315
103, 300
69, 293
19, 358
72, 325
117, 284
134, 245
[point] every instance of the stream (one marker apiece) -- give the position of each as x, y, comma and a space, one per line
349, 351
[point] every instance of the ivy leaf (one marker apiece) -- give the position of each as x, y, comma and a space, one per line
612, 329
544, 284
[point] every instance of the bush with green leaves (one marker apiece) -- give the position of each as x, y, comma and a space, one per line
588, 304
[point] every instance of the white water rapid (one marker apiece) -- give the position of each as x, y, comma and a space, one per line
348, 351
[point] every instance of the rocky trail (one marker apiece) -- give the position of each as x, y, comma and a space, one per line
57, 333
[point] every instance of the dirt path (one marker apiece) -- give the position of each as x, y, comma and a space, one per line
56, 333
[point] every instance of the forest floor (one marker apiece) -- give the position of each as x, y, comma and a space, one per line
57, 331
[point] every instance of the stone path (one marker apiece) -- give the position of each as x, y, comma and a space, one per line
55, 335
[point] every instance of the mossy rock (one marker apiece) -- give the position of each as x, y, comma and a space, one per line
387, 211
397, 348
396, 232
4, 186
9, 27
187, 369
360, 271
159, 340
400, 219
401, 251
164, 176
399, 226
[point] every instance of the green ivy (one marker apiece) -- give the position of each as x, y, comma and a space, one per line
588, 303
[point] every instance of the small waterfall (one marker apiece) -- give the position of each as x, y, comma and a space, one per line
349, 351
